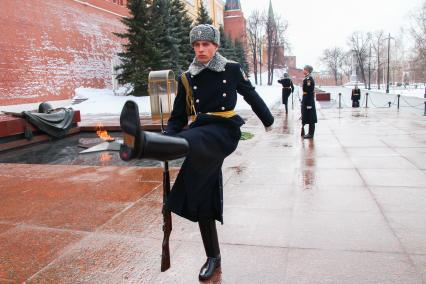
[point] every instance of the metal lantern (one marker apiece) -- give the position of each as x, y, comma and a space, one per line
162, 88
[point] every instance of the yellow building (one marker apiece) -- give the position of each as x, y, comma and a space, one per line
214, 8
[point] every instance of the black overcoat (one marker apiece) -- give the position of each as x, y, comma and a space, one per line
197, 192
288, 88
309, 113
356, 94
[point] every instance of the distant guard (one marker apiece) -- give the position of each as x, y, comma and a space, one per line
288, 88
356, 96
309, 113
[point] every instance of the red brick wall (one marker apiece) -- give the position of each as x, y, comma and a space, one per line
235, 25
290, 61
115, 6
296, 75
50, 47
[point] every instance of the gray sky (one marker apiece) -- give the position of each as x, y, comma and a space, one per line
315, 25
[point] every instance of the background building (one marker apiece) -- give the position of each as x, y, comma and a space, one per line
234, 21
215, 9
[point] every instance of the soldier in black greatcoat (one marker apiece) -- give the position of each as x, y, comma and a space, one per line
288, 88
309, 113
207, 93
356, 96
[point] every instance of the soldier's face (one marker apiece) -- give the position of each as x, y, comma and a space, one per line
204, 50
305, 72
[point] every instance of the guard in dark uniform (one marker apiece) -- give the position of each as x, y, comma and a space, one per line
288, 88
356, 96
309, 113
207, 93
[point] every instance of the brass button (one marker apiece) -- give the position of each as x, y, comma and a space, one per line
224, 81
224, 95
195, 87
197, 101
223, 108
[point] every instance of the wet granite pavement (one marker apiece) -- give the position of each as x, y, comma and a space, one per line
346, 207
376, 99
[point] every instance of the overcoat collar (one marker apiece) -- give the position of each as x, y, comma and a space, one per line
217, 64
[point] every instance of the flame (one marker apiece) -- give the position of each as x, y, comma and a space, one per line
103, 134
104, 158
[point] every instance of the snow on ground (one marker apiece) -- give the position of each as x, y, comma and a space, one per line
414, 90
103, 101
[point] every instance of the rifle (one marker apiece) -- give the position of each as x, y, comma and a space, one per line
15, 114
167, 216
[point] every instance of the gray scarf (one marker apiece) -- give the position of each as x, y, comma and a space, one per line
217, 64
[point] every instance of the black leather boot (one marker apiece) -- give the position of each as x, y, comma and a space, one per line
211, 246
302, 132
311, 131
147, 145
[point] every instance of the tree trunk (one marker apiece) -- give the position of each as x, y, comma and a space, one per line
255, 65
378, 70
260, 64
272, 66
335, 77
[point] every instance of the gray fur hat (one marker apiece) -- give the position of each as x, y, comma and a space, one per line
204, 32
308, 68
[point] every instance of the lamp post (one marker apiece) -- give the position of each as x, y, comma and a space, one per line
369, 69
387, 80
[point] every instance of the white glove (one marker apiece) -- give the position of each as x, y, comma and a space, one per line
269, 128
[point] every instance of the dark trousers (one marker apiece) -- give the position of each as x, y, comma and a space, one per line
285, 94
311, 129
209, 236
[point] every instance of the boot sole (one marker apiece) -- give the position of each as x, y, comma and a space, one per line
216, 271
131, 127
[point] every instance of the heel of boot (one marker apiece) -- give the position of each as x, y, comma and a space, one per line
127, 149
126, 153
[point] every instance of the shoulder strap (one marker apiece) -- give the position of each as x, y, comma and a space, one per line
190, 108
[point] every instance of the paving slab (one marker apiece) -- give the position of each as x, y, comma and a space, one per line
327, 266
346, 207
25, 250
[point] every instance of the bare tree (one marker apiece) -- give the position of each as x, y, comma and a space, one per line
254, 34
418, 32
260, 52
360, 44
398, 55
377, 44
333, 59
347, 64
275, 29
280, 40
271, 34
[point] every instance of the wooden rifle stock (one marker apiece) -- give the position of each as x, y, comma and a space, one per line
167, 215
167, 220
